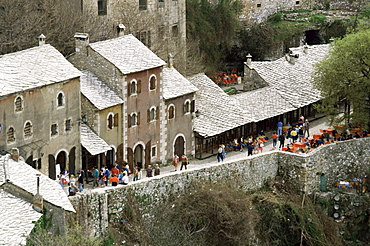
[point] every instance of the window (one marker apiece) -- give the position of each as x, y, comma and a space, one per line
152, 83
18, 104
68, 125
142, 4
110, 121
171, 112
28, 130
54, 129
134, 87
297, 2
115, 120
10, 135
154, 151
175, 31
187, 107
60, 99
134, 119
258, 5
102, 7
152, 114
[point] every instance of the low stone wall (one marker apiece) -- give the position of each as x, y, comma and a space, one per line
338, 161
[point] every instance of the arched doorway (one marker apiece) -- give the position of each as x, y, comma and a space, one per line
62, 160
52, 169
179, 146
138, 155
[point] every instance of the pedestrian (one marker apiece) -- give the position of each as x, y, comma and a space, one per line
184, 162
114, 180
280, 128
260, 146
107, 174
136, 173
306, 128
96, 177
281, 140
80, 180
149, 171
157, 171
223, 151
115, 170
72, 190
125, 179
250, 149
175, 161
220, 156
274, 139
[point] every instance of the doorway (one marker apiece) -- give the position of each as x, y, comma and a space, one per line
138, 156
179, 147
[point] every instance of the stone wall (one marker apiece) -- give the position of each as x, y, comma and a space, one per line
337, 161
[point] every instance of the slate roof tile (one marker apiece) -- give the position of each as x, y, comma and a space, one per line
32, 68
92, 142
98, 93
128, 54
175, 84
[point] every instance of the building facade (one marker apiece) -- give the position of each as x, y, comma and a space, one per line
40, 108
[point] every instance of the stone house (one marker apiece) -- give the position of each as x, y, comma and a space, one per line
40, 108
160, 25
137, 75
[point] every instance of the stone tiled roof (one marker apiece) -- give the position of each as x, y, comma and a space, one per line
98, 93
263, 103
218, 111
17, 216
294, 81
128, 54
50, 190
92, 142
32, 68
175, 85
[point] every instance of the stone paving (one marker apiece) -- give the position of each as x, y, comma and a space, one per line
315, 125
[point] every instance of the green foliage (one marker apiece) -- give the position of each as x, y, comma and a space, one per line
277, 17
74, 236
212, 25
319, 18
365, 13
344, 76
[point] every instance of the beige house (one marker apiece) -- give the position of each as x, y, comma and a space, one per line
40, 108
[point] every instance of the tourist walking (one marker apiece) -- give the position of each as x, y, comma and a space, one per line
274, 139
220, 156
96, 177
250, 149
281, 140
280, 128
184, 162
149, 171
306, 128
157, 171
175, 161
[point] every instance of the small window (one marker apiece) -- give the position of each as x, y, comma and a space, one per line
18, 104
152, 114
102, 7
60, 99
152, 83
115, 120
68, 125
133, 120
154, 151
187, 107
142, 4
297, 2
110, 121
28, 130
175, 31
171, 112
54, 129
10, 135
258, 5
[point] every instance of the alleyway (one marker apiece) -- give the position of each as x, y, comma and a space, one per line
315, 125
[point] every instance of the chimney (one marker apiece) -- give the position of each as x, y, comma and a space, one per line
37, 199
170, 60
81, 42
249, 59
305, 48
121, 30
292, 58
42, 39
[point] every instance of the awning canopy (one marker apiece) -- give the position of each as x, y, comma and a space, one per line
92, 142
